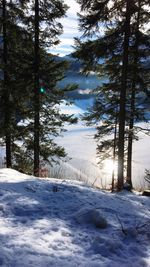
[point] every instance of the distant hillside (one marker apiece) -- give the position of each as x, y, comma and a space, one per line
86, 84
83, 96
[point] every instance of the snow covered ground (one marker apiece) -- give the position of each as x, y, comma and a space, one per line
45, 223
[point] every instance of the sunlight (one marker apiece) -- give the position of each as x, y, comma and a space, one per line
109, 166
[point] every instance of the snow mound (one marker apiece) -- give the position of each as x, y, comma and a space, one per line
91, 216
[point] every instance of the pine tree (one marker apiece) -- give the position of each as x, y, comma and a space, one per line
113, 46
36, 89
11, 52
49, 120
138, 51
122, 109
24, 94
104, 114
6, 87
46, 29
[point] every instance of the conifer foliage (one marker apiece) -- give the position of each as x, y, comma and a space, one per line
114, 44
45, 30
29, 94
13, 70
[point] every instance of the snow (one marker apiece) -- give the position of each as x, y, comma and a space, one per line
39, 224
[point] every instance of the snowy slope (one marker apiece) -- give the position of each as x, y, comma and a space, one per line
44, 223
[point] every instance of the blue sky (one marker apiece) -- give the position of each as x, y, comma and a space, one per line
70, 25
70, 28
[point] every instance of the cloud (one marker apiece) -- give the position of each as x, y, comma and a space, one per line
84, 92
70, 30
62, 51
73, 7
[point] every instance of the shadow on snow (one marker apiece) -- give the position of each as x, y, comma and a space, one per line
48, 208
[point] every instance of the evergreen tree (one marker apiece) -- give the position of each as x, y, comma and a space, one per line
36, 89
12, 52
21, 70
6, 95
139, 80
51, 119
104, 114
42, 22
122, 110
113, 46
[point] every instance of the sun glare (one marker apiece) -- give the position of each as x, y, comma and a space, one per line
110, 166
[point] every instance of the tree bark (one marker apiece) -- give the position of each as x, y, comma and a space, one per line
7, 112
122, 104
36, 91
130, 137
131, 124
114, 153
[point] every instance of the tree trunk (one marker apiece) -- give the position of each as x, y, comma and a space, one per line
36, 92
122, 104
131, 124
130, 138
114, 153
7, 112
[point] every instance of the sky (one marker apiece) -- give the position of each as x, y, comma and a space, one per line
70, 26
70, 30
